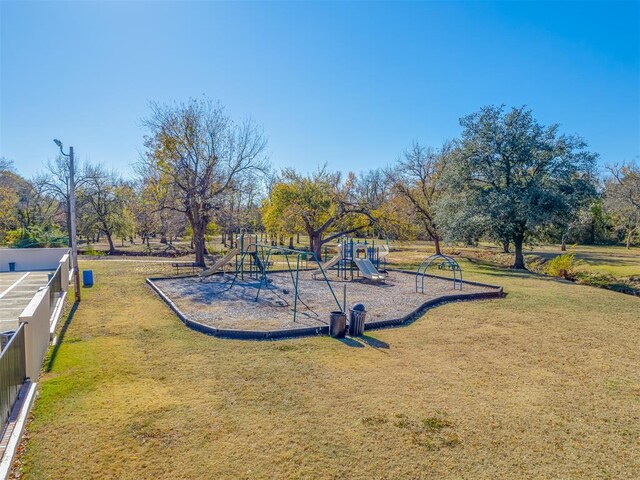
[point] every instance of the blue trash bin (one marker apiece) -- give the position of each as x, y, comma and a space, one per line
12, 266
87, 278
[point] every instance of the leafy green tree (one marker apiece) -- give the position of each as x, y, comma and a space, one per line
323, 205
8, 199
581, 191
281, 216
594, 223
397, 219
513, 175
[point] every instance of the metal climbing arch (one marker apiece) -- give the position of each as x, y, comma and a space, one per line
446, 263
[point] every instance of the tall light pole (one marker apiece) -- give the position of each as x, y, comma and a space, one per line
72, 219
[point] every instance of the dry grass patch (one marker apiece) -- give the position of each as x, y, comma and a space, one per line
542, 384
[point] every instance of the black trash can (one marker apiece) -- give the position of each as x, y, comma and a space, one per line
356, 320
337, 324
12, 266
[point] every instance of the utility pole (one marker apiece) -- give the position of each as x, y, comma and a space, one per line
72, 220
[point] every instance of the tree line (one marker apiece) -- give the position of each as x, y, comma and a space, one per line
506, 179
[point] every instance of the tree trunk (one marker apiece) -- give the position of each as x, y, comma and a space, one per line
630, 236
291, 243
315, 244
112, 248
518, 240
563, 246
505, 246
298, 239
436, 243
198, 244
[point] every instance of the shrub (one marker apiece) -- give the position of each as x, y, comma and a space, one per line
603, 280
36, 237
563, 266
92, 251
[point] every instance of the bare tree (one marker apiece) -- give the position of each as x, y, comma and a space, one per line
201, 152
55, 181
6, 165
372, 188
108, 196
622, 198
418, 176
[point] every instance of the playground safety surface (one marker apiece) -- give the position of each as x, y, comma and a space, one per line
223, 304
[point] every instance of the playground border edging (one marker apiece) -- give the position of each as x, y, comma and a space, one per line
321, 330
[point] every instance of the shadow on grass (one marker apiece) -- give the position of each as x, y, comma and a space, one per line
374, 342
612, 259
363, 341
487, 268
63, 331
351, 342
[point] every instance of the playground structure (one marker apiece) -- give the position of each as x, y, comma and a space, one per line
444, 262
265, 284
246, 250
258, 258
348, 257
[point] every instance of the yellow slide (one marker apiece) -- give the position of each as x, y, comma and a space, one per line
220, 263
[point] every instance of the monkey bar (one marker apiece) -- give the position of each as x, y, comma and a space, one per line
446, 263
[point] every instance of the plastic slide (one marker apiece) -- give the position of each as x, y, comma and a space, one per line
367, 269
330, 263
220, 263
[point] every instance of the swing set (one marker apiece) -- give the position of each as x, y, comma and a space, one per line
259, 259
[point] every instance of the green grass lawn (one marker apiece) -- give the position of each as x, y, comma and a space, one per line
544, 383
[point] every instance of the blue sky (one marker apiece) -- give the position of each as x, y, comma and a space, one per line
349, 84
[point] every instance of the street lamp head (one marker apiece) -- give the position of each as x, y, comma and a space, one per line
57, 142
